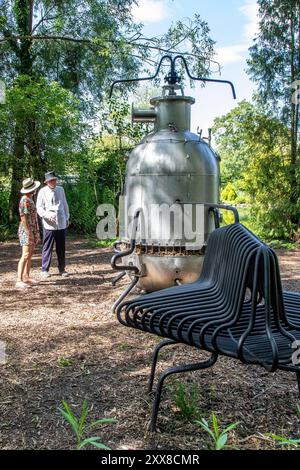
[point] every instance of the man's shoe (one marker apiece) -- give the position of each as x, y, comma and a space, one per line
64, 274
45, 274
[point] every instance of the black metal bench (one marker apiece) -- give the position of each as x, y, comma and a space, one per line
237, 308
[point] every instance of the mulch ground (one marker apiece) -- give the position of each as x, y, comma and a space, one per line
63, 342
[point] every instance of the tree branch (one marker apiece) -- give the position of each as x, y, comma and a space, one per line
44, 18
90, 42
46, 38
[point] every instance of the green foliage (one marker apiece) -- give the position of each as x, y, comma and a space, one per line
82, 204
274, 61
64, 362
286, 245
275, 66
48, 118
81, 429
254, 148
229, 193
286, 440
227, 217
218, 437
57, 61
231, 133
186, 400
4, 201
100, 243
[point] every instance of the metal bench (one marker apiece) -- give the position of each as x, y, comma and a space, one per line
237, 308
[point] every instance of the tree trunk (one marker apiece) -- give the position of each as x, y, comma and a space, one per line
17, 172
24, 19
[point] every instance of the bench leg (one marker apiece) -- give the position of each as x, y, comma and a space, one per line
127, 291
118, 278
175, 370
298, 381
157, 348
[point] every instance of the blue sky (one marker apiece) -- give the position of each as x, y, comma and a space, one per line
233, 25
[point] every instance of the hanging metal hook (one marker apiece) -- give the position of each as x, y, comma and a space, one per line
172, 77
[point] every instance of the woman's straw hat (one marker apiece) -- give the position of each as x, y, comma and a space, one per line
29, 186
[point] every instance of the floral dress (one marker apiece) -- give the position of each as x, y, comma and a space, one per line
27, 207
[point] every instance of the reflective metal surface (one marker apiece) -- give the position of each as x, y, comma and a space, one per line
170, 165
160, 272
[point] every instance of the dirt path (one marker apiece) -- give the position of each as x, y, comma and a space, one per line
64, 343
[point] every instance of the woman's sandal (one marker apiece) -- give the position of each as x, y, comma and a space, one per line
31, 281
22, 285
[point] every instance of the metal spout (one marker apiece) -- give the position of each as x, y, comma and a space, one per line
143, 115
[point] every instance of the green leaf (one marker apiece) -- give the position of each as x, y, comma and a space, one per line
285, 440
206, 428
68, 410
232, 426
71, 420
215, 425
101, 421
221, 441
84, 413
100, 446
92, 441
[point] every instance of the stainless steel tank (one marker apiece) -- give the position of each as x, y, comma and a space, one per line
168, 166
171, 168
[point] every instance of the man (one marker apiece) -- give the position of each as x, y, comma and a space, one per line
53, 208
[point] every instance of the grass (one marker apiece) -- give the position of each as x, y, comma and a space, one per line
287, 441
124, 346
186, 401
91, 243
81, 430
64, 362
218, 438
287, 245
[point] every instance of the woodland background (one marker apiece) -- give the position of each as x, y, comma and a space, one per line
57, 61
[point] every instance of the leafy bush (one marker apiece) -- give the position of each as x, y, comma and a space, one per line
82, 204
255, 150
229, 193
4, 202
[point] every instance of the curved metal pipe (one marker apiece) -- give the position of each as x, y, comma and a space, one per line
172, 78
128, 289
212, 206
140, 79
204, 79
122, 254
124, 268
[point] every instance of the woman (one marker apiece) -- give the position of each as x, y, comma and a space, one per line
28, 232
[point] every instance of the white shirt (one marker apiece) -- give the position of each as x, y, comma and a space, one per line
52, 204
